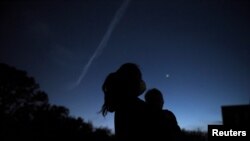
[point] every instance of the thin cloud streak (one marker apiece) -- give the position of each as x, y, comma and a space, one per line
104, 40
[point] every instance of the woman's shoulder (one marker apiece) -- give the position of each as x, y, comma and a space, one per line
140, 102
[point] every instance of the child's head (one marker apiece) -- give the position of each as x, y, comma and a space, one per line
154, 98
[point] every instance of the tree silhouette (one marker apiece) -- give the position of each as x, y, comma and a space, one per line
27, 115
18, 91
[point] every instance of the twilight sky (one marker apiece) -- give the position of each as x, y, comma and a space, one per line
203, 46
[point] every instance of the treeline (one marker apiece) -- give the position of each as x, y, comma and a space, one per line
26, 114
195, 135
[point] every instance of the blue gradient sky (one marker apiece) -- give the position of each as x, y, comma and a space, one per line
204, 46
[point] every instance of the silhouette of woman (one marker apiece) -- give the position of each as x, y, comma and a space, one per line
121, 90
165, 120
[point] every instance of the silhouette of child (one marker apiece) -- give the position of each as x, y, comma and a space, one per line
121, 90
165, 120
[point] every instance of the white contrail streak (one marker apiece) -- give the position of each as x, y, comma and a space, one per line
104, 40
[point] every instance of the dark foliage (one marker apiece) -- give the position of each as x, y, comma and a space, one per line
27, 115
194, 135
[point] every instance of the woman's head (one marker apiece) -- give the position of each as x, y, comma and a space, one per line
131, 78
122, 85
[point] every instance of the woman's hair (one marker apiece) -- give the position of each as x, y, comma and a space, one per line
118, 86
